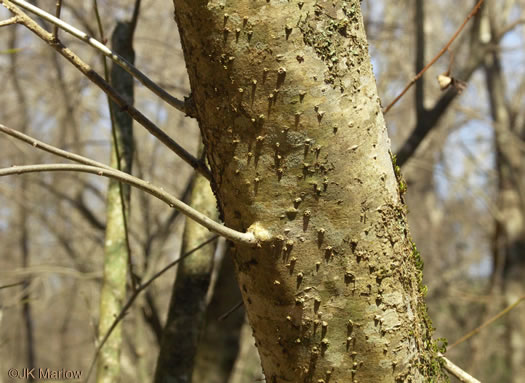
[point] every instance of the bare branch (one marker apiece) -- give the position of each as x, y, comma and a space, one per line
10, 21
430, 117
487, 323
57, 14
247, 238
441, 52
52, 269
136, 293
237, 306
52, 149
11, 285
135, 17
120, 61
457, 371
108, 89
76, 202
509, 28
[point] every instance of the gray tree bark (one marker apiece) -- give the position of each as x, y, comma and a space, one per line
287, 104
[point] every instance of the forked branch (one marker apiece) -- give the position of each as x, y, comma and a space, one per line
10, 21
117, 59
29, 23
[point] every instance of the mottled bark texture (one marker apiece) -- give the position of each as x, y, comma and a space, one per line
115, 246
187, 308
287, 104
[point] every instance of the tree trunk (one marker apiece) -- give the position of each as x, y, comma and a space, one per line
247, 366
24, 216
510, 240
219, 344
116, 253
187, 308
287, 104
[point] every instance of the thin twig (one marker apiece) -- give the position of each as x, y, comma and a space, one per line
247, 238
12, 285
52, 269
509, 27
57, 15
100, 28
462, 375
123, 63
135, 18
441, 52
77, 202
487, 323
134, 296
52, 149
237, 306
108, 89
10, 21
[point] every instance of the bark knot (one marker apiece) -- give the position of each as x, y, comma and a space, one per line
259, 232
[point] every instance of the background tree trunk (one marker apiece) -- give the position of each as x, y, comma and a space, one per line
288, 108
247, 366
187, 307
510, 231
118, 198
212, 366
24, 218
